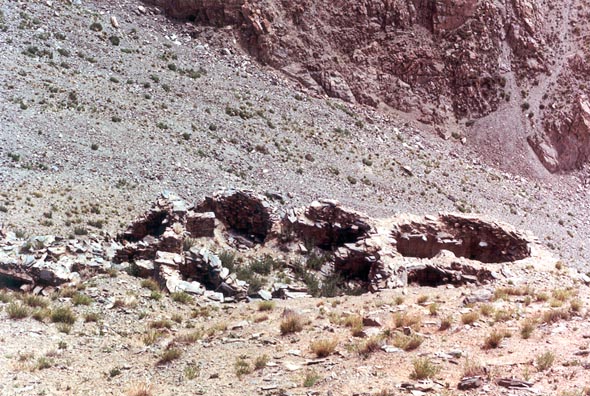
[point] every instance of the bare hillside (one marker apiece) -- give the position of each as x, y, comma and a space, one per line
410, 112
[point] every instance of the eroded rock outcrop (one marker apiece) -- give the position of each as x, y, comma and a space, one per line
443, 61
566, 144
378, 52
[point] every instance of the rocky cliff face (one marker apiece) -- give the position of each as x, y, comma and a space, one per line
446, 62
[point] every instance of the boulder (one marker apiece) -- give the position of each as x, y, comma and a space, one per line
13, 272
54, 273
143, 268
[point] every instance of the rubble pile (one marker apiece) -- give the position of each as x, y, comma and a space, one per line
41, 263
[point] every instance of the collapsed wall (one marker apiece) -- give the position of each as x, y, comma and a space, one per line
465, 236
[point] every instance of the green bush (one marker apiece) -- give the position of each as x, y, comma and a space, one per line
63, 315
17, 311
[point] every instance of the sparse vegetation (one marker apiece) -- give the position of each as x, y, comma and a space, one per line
323, 347
527, 328
555, 315
472, 368
63, 315
266, 306
91, 317
242, 367
291, 323
169, 355
81, 299
493, 340
446, 323
370, 345
43, 363
141, 389
311, 378
144, 103
412, 320
261, 362
161, 324
150, 284
545, 360
181, 297
17, 311
41, 314
407, 342
469, 317
423, 368
35, 301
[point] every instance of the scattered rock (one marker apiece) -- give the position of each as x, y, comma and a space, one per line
513, 383
470, 383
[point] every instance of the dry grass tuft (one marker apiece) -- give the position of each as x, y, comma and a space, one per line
555, 315
576, 305
472, 368
266, 306
545, 360
502, 315
355, 322
407, 342
261, 362
470, 317
242, 367
17, 311
446, 323
151, 337
188, 338
487, 309
169, 355
291, 323
494, 339
503, 293
423, 368
150, 284
35, 301
413, 321
324, 347
527, 328
141, 389
370, 345
63, 315
161, 324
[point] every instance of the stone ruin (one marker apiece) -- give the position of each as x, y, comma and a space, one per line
465, 236
376, 253
172, 243
243, 212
